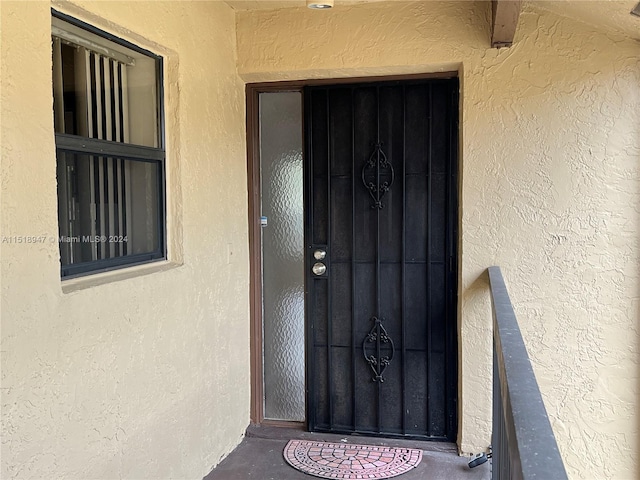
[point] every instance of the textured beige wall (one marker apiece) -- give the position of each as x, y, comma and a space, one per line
146, 377
550, 192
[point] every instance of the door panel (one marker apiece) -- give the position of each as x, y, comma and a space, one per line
380, 163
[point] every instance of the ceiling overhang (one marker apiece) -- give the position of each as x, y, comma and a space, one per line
612, 16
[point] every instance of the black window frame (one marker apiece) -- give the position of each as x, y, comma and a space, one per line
76, 144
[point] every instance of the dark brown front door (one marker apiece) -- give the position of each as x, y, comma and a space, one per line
381, 211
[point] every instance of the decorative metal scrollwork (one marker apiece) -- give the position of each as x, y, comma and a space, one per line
378, 336
378, 175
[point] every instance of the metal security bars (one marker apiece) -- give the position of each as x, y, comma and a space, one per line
107, 116
380, 176
524, 446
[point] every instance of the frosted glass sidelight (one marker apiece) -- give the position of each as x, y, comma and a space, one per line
282, 255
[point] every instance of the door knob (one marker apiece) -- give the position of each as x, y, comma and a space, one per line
319, 268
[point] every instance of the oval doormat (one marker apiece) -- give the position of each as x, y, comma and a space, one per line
340, 460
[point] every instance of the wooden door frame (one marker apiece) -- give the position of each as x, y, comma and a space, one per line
253, 90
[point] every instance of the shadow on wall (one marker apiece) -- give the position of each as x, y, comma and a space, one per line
475, 360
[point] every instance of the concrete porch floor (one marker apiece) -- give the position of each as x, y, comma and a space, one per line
259, 456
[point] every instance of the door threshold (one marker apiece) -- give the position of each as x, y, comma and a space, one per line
299, 432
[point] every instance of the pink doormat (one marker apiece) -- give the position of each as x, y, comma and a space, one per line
343, 460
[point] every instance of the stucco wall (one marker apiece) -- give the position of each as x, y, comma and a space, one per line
145, 377
550, 191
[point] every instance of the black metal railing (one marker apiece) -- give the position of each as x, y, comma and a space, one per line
524, 446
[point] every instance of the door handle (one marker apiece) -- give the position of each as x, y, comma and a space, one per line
319, 269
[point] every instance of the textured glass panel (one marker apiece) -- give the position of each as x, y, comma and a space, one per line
283, 255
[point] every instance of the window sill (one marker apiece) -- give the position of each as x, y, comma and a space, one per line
81, 283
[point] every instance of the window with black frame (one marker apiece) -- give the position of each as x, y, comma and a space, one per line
110, 149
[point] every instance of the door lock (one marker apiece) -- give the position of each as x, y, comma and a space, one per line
320, 254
